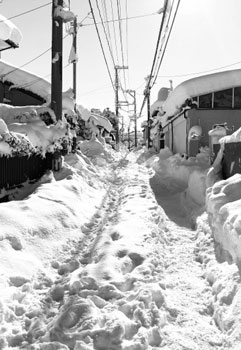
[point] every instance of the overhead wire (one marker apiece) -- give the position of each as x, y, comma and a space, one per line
168, 36
122, 19
106, 36
104, 7
28, 62
121, 38
163, 41
196, 73
148, 83
102, 48
114, 32
26, 12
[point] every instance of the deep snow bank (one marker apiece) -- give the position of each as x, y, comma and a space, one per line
179, 174
223, 207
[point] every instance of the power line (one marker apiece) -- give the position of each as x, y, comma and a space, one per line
195, 73
147, 89
174, 17
106, 36
98, 34
125, 18
112, 13
24, 13
32, 60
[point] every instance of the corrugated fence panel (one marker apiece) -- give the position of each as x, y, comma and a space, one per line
16, 170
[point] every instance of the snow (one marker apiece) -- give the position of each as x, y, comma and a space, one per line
23, 131
24, 79
115, 252
200, 86
8, 31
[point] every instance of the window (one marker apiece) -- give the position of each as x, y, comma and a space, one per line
223, 99
205, 101
237, 97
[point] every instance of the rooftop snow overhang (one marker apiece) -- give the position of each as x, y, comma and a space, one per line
200, 86
10, 35
25, 80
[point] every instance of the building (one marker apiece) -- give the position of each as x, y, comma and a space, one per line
21, 88
199, 106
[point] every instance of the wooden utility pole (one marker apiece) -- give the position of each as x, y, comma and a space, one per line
75, 60
57, 51
148, 117
117, 104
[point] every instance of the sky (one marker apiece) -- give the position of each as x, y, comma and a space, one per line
99, 260
204, 38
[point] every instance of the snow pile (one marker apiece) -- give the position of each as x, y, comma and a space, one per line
234, 137
25, 79
175, 171
23, 132
223, 207
65, 286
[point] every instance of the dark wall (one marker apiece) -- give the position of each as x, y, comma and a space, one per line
24, 98
208, 117
18, 97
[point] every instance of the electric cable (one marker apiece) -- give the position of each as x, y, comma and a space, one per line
98, 34
196, 73
178, 3
106, 36
122, 19
114, 31
32, 60
155, 55
26, 12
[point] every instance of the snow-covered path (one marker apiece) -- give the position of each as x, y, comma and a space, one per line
129, 282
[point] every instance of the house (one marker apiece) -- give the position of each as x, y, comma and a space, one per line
201, 110
22, 88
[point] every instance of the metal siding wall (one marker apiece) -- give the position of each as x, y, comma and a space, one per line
207, 118
179, 135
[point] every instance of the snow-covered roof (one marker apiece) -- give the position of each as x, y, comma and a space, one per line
200, 86
10, 35
25, 80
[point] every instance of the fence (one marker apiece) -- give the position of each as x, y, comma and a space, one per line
16, 170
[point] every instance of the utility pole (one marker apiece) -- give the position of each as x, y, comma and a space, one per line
57, 50
132, 93
75, 59
117, 103
148, 117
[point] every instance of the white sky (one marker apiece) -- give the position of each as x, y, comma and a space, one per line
204, 37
